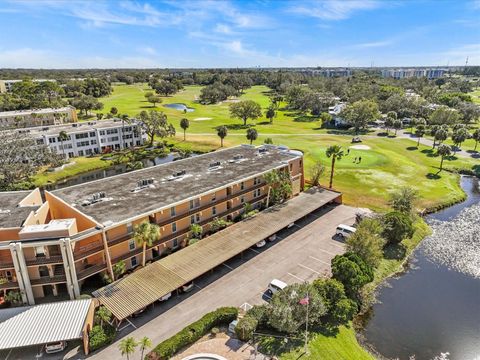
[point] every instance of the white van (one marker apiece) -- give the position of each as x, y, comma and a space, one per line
275, 286
344, 231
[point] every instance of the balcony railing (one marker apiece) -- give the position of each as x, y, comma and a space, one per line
42, 260
9, 285
49, 280
83, 252
6, 265
84, 273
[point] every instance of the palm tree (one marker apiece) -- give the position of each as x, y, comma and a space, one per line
63, 136
144, 343
145, 234
184, 124
114, 111
252, 135
443, 150
103, 314
127, 346
222, 132
336, 153
419, 132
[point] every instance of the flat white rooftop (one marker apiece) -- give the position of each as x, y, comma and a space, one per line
53, 225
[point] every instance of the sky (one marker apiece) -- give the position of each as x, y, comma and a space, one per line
256, 33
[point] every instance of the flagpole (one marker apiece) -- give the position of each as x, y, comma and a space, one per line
306, 326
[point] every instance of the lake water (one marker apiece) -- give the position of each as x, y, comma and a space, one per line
111, 171
435, 306
180, 107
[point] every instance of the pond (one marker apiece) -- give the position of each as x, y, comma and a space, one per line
111, 171
180, 107
435, 306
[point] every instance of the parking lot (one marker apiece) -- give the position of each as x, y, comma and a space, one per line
300, 253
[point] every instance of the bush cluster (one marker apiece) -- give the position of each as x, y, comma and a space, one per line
193, 332
100, 337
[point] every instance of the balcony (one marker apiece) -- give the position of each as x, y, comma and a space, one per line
42, 260
9, 285
6, 265
91, 270
88, 250
49, 280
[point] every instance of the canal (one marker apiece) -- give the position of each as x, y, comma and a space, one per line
434, 307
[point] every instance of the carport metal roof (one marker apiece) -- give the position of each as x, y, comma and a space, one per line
143, 287
42, 324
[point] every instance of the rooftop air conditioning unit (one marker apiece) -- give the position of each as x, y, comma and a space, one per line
214, 166
177, 175
236, 158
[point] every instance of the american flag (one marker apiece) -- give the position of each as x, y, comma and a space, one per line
304, 301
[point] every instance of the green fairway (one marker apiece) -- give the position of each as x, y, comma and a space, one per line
475, 95
388, 164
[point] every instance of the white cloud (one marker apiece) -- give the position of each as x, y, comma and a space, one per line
334, 9
374, 44
223, 29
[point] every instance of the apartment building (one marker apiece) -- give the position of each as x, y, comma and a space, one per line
7, 85
61, 243
37, 117
84, 139
416, 72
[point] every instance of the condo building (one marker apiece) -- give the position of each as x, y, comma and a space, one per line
37, 117
83, 139
62, 243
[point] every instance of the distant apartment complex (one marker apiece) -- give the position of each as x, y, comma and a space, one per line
37, 117
59, 243
408, 73
7, 85
88, 138
329, 72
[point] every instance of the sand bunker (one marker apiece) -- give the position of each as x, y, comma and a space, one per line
202, 119
360, 147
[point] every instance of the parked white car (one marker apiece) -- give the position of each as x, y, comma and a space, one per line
55, 347
187, 287
344, 231
261, 244
165, 297
272, 238
275, 286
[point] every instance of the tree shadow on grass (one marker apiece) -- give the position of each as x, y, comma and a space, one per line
451, 158
429, 152
236, 126
382, 134
305, 118
265, 123
394, 252
412, 148
432, 176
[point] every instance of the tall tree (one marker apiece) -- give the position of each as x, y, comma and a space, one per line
252, 135
336, 153
155, 124
419, 133
127, 346
153, 99
113, 111
440, 136
444, 151
360, 113
103, 315
222, 132
270, 113
397, 125
459, 136
145, 234
247, 109
184, 124
476, 137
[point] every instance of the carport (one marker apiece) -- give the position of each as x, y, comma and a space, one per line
143, 287
38, 325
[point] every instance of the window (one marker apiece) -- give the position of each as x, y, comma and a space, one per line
131, 244
214, 211
83, 143
192, 219
39, 251
129, 227
52, 140
102, 132
81, 136
172, 211
112, 131
291, 166
194, 203
9, 275
134, 262
175, 243
242, 185
242, 199
92, 134
256, 193
195, 218
214, 196
256, 181
93, 142
174, 227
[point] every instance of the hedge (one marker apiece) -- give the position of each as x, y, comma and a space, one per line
100, 337
193, 332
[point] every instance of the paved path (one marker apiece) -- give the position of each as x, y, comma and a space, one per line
303, 254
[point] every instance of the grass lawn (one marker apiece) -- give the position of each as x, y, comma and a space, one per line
80, 165
475, 95
342, 345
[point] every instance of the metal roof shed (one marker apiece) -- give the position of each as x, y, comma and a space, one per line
46, 323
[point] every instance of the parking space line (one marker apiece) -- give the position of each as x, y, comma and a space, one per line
328, 252
306, 267
228, 267
296, 277
255, 251
198, 286
314, 258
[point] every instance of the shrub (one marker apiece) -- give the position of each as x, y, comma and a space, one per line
352, 272
398, 226
259, 312
246, 327
101, 336
193, 332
